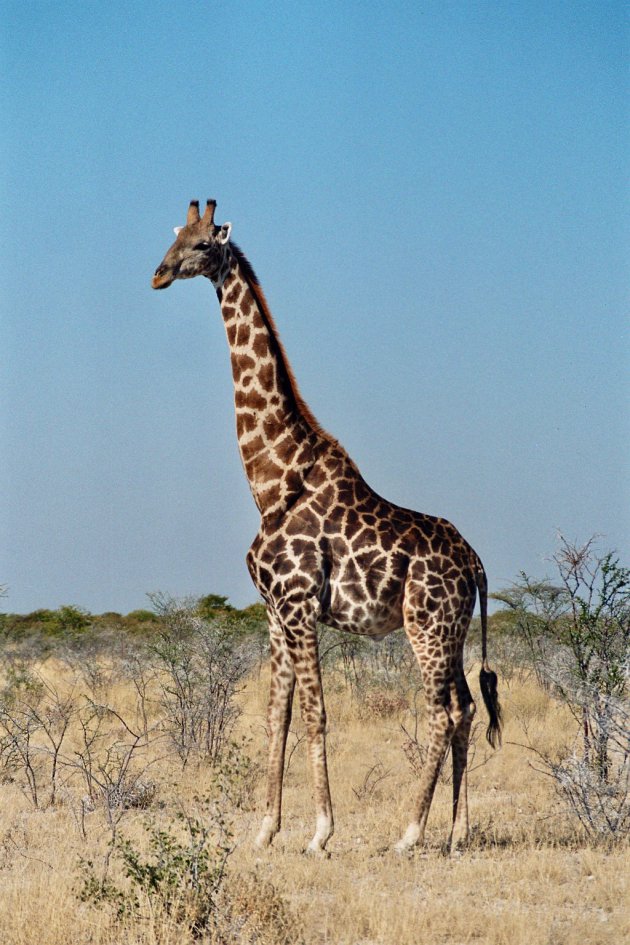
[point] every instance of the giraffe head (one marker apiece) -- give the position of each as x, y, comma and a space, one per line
201, 249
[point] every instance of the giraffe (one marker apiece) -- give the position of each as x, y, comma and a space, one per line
330, 550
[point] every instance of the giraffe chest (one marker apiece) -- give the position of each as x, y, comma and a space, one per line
358, 589
365, 592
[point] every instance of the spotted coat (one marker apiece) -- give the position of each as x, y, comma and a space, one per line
330, 550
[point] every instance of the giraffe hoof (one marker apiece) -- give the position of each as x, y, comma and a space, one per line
403, 850
457, 848
457, 845
266, 833
317, 853
263, 840
412, 837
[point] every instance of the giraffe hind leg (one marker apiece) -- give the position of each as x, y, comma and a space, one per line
463, 711
437, 647
440, 734
448, 725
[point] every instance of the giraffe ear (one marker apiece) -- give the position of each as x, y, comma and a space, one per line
224, 233
177, 230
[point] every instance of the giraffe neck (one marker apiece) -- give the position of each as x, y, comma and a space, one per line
278, 437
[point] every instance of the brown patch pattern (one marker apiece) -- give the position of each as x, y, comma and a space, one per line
330, 549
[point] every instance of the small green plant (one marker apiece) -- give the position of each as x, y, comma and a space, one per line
176, 868
178, 871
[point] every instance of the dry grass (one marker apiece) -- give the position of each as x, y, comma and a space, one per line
528, 878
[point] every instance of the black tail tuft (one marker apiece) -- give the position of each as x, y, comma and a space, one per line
487, 679
488, 684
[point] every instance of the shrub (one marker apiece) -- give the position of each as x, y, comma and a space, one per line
578, 632
202, 665
381, 704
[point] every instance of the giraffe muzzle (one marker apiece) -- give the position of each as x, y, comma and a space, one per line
162, 278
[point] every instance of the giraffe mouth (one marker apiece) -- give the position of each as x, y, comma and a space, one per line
163, 278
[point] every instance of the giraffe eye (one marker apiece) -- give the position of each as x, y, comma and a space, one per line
202, 246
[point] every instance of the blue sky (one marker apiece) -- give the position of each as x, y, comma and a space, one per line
432, 195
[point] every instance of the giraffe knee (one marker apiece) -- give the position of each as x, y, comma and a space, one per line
314, 717
315, 723
462, 716
441, 720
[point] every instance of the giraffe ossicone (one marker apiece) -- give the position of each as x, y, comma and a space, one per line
330, 550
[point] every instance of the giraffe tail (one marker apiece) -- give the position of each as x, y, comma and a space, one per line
488, 678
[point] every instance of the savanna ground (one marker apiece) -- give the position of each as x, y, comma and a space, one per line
120, 825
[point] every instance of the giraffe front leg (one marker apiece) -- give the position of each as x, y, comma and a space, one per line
314, 715
293, 629
300, 622
278, 717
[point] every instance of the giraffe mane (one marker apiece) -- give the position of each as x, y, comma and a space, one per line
256, 289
